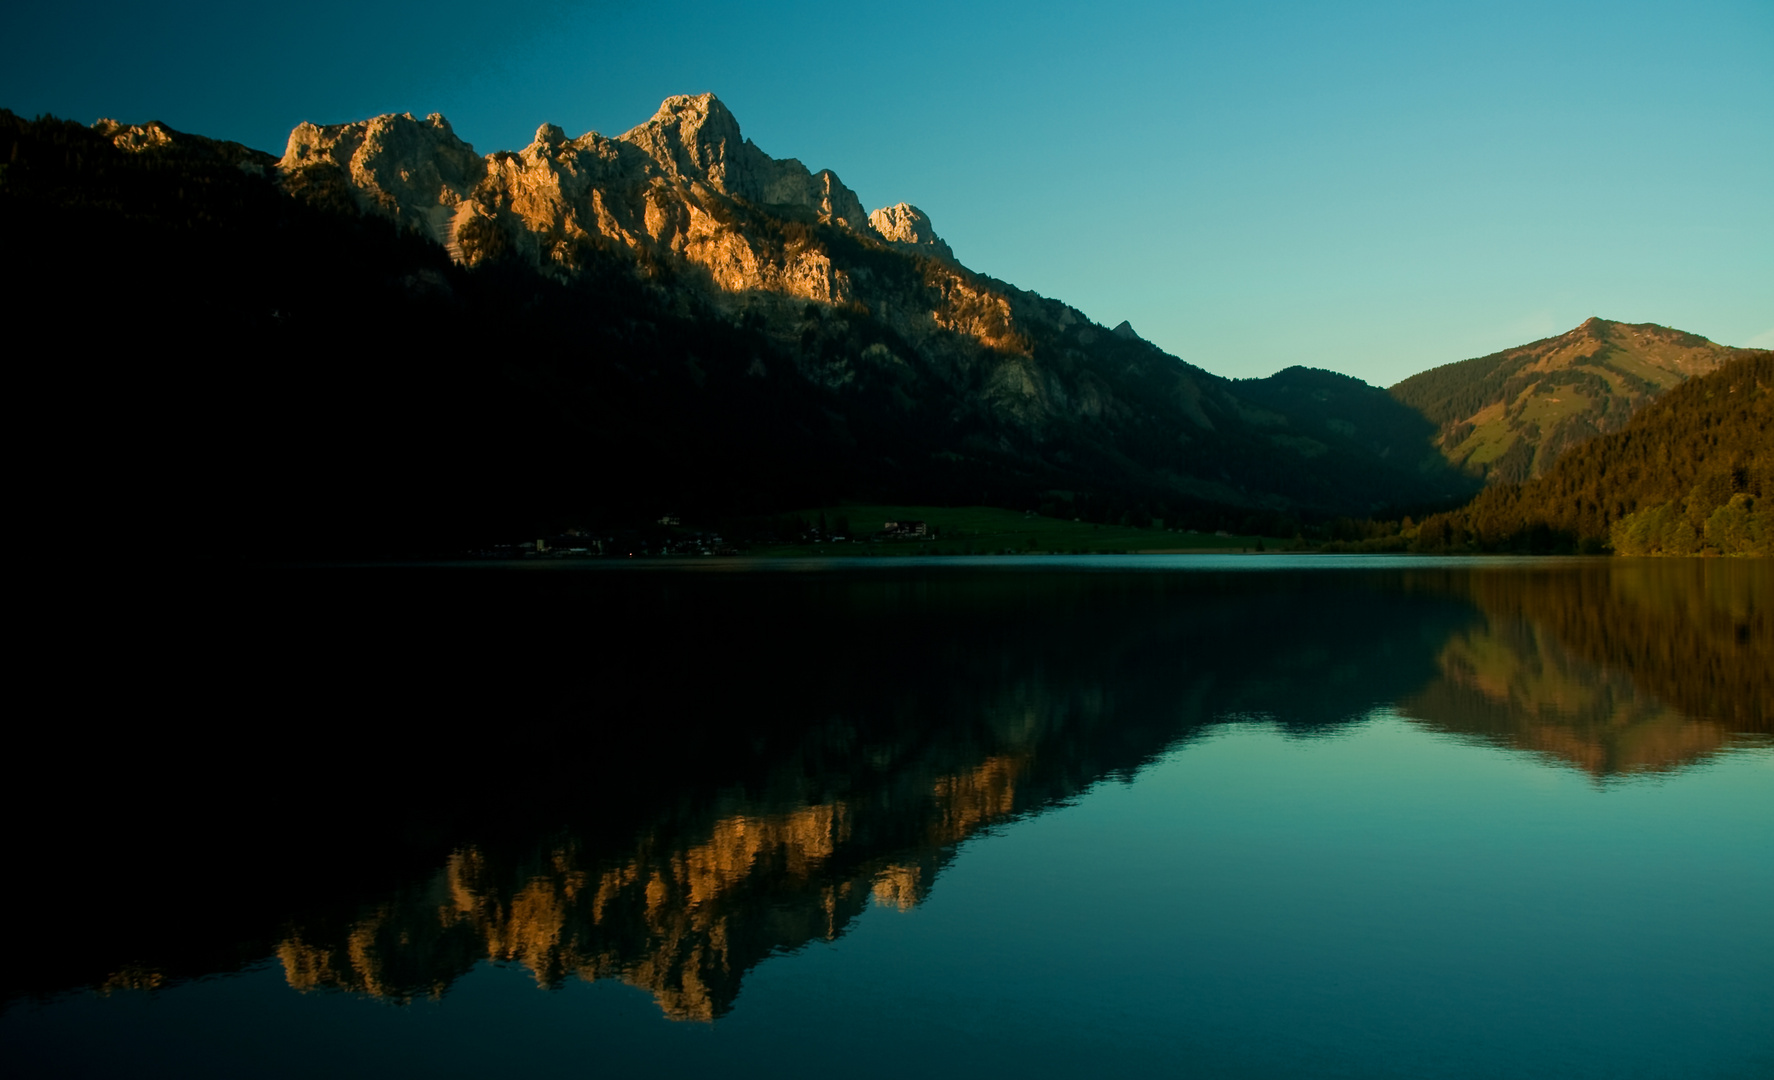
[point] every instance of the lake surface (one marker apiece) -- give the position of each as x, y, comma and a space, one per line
1200, 816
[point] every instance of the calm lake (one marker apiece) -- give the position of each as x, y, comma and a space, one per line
1211, 816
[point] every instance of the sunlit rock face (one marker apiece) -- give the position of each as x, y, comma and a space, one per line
684, 189
906, 226
676, 187
135, 138
414, 171
697, 140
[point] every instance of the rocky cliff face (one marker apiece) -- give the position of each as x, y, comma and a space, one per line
696, 140
416, 172
908, 227
686, 191
677, 187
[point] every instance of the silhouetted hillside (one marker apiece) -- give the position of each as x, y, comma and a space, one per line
1369, 433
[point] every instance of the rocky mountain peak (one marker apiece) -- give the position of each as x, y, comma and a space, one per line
656, 188
133, 138
1593, 328
393, 165
696, 139
906, 226
421, 174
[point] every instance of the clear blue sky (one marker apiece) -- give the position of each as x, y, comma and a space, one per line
1372, 188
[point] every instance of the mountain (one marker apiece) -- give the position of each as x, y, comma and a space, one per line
869, 304
1692, 472
383, 333
1510, 415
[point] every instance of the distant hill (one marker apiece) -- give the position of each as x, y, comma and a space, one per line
1508, 416
1692, 472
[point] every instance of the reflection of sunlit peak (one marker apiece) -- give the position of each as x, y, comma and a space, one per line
800, 840
132, 978
968, 800
896, 886
306, 967
461, 870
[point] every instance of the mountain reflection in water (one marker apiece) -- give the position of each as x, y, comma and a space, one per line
665, 777
1614, 667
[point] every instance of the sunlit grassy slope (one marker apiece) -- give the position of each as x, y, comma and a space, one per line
983, 530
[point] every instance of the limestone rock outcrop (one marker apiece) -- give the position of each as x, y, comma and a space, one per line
414, 171
135, 138
653, 186
685, 189
697, 140
674, 188
906, 226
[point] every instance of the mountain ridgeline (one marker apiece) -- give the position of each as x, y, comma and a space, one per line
383, 340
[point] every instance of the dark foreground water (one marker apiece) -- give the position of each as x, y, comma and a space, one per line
1218, 817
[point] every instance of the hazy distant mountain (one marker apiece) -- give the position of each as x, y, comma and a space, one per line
1510, 415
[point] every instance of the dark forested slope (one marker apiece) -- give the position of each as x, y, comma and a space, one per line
1367, 430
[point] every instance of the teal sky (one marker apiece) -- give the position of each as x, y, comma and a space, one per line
1372, 188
